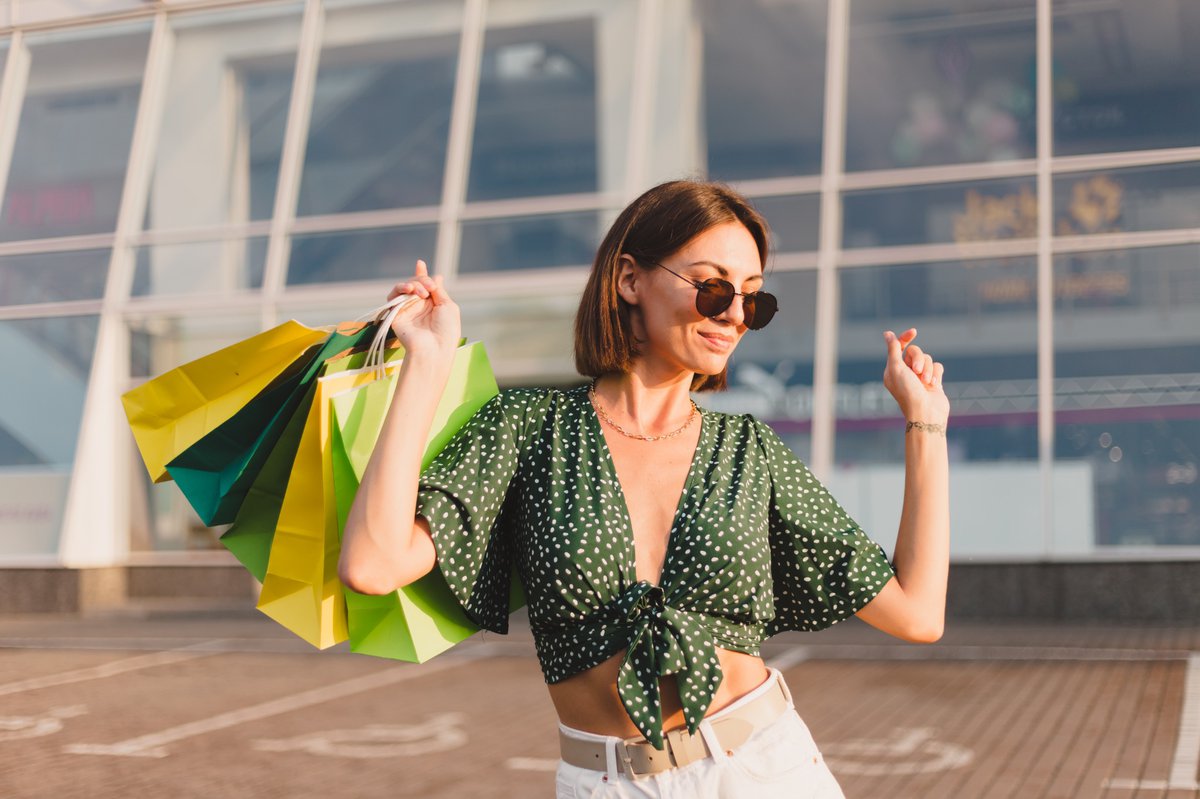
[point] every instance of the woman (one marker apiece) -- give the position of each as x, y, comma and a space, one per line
658, 544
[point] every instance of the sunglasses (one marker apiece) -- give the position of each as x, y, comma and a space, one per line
714, 296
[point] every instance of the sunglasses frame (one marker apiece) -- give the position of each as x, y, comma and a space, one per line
700, 288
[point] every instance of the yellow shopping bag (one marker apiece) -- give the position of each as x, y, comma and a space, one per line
176, 409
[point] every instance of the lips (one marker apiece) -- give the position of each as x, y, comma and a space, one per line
717, 340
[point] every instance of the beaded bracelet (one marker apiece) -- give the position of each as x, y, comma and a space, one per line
928, 427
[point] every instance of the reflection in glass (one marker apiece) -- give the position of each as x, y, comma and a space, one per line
931, 84
1145, 198
979, 319
771, 373
360, 255
793, 220
1127, 395
53, 277
69, 162
528, 337
534, 242
217, 159
47, 363
536, 123
1125, 75
199, 267
954, 212
381, 111
764, 87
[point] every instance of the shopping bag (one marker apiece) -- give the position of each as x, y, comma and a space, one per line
169, 413
250, 536
216, 472
424, 618
301, 590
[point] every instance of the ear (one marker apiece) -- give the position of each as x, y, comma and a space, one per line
629, 277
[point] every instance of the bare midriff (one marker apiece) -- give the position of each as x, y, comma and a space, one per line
589, 701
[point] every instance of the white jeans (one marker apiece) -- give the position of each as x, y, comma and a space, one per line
778, 761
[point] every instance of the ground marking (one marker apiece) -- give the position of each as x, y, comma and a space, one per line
438, 734
1186, 763
153, 745
913, 751
107, 669
16, 727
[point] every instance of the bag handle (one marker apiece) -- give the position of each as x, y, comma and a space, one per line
384, 315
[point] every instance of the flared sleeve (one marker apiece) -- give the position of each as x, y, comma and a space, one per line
465, 494
824, 568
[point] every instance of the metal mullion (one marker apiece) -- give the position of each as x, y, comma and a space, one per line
48, 309
795, 262
461, 134
184, 304
90, 241
133, 15
779, 187
366, 220
934, 175
1125, 240
12, 99
932, 253
641, 97
530, 206
195, 235
291, 157
825, 349
1124, 160
1045, 271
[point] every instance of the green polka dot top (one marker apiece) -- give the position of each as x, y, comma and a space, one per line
758, 546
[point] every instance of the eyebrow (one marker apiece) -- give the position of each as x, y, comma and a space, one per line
722, 271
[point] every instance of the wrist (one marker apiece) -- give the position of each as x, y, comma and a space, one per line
932, 428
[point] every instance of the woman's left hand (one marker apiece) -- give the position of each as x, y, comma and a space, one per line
914, 379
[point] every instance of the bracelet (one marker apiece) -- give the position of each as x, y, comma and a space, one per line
928, 427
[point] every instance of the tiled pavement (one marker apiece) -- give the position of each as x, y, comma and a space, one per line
226, 704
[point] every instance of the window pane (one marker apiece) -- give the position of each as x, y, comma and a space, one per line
530, 242
1125, 75
381, 108
68, 166
793, 220
528, 338
1146, 198
764, 87
771, 373
200, 267
47, 363
1127, 362
929, 85
536, 122
360, 255
955, 212
53, 277
979, 319
226, 108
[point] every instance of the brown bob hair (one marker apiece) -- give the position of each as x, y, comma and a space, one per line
652, 228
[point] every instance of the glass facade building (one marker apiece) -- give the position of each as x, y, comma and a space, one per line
1018, 179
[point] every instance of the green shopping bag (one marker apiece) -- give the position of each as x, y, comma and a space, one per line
422, 619
217, 471
250, 536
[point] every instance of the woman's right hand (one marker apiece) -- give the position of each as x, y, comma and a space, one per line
431, 324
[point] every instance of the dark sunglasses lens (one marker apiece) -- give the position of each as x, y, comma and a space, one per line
760, 309
714, 296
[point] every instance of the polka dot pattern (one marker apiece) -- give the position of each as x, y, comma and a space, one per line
757, 546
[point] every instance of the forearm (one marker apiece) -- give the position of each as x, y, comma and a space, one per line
922, 553
381, 540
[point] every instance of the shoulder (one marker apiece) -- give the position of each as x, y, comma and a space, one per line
528, 410
742, 427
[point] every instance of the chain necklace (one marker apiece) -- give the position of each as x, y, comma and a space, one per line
600, 410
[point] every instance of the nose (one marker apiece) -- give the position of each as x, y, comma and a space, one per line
735, 314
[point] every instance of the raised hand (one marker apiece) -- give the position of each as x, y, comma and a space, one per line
914, 379
430, 324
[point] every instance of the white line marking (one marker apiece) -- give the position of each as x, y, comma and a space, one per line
152, 745
105, 670
1187, 748
531, 763
1186, 763
790, 657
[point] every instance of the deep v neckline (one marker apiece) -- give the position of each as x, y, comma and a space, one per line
610, 464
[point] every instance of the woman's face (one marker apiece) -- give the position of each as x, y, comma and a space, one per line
671, 331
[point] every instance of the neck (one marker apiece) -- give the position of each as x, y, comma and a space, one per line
643, 404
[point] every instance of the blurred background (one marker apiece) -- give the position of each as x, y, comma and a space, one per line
177, 176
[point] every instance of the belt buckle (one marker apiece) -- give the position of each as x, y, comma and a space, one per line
679, 753
625, 762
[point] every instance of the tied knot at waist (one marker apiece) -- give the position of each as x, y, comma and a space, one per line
664, 641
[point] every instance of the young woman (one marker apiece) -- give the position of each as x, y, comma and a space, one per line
658, 543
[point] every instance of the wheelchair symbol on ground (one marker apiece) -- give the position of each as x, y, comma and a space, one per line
14, 728
437, 734
914, 751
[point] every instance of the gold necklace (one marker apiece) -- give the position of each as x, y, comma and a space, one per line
600, 410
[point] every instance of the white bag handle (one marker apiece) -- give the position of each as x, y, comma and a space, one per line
385, 315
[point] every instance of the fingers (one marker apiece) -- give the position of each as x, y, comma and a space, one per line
938, 370
421, 284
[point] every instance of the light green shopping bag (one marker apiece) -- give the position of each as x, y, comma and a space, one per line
422, 619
